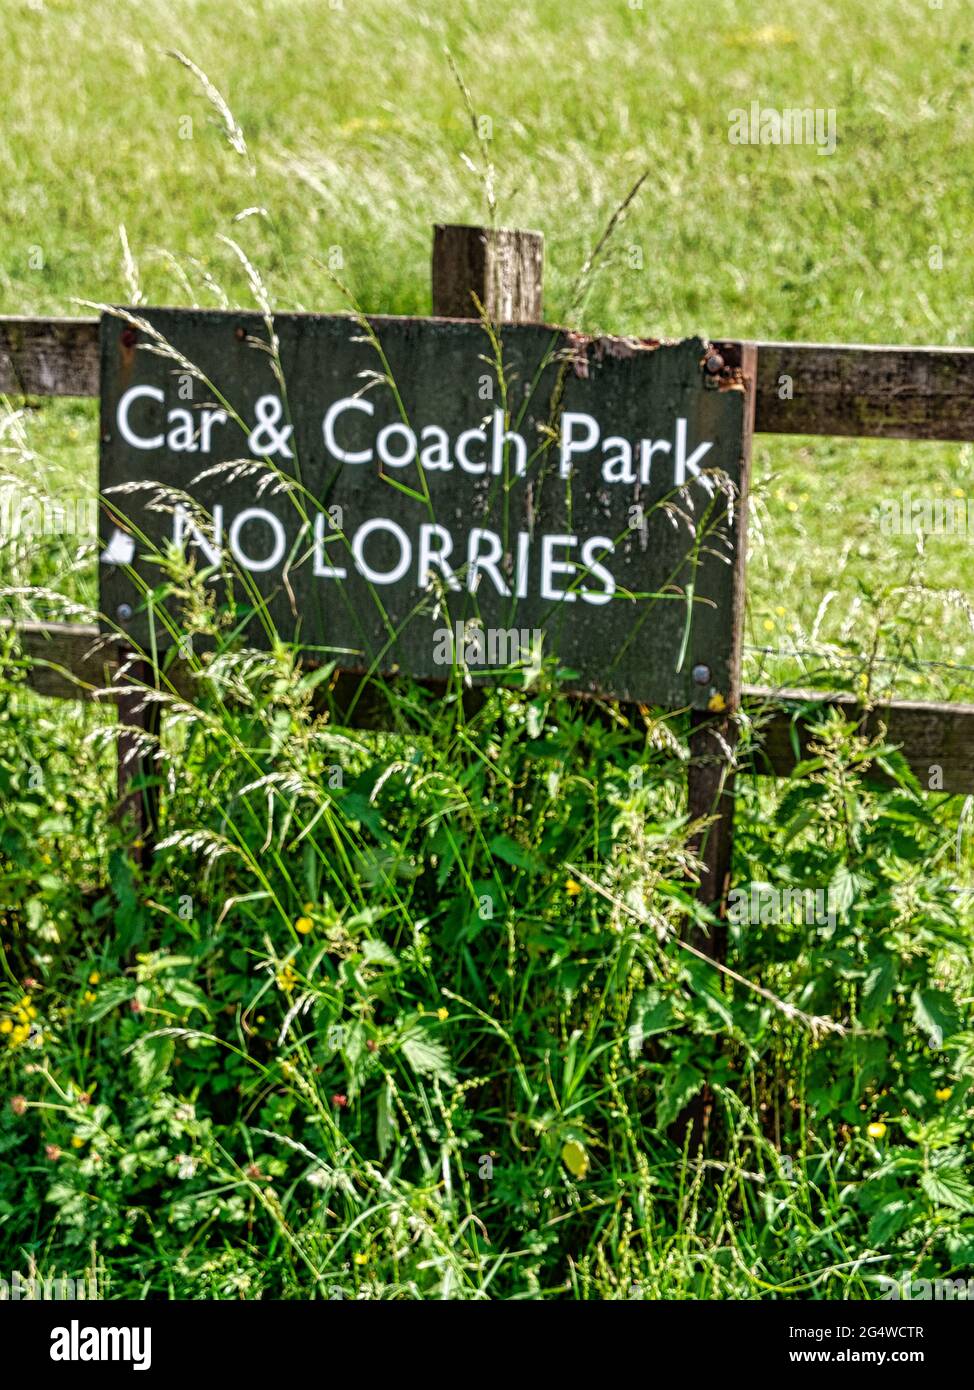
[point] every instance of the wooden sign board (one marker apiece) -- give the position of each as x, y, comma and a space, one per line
406, 493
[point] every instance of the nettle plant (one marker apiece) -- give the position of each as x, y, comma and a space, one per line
891, 961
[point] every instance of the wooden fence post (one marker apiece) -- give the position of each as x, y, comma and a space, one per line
713, 736
503, 268
710, 792
712, 767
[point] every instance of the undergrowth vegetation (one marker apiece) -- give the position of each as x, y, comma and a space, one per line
408, 1013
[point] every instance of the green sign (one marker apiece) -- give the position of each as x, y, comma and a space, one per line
410, 493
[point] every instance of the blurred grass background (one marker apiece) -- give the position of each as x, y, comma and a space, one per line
357, 133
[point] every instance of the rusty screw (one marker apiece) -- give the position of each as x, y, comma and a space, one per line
129, 337
714, 363
124, 612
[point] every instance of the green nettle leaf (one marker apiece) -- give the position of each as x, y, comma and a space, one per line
879, 983
152, 1058
844, 887
960, 1244
706, 989
651, 1013
888, 1221
129, 916
425, 1056
947, 1185
896, 766
378, 953
935, 1014
355, 1056
108, 997
188, 995
61, 1194
680, 1085
503, 847
385, 1122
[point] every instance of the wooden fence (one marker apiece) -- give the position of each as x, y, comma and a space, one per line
919, 393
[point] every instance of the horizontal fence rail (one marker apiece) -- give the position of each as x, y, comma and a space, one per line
802, 388
76, 661
921, 393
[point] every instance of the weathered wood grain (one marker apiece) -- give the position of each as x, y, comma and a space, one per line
864, 391
69, 661
318, 582
869, 392
49, 357
931, 736
503, 268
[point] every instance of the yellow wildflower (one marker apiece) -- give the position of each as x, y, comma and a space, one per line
94, 978
90, 996
876, 1130
303, 925
442, 1014
361, 1259
5, 1025
76, 1141
575, 1158
944, 1093
572, 888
